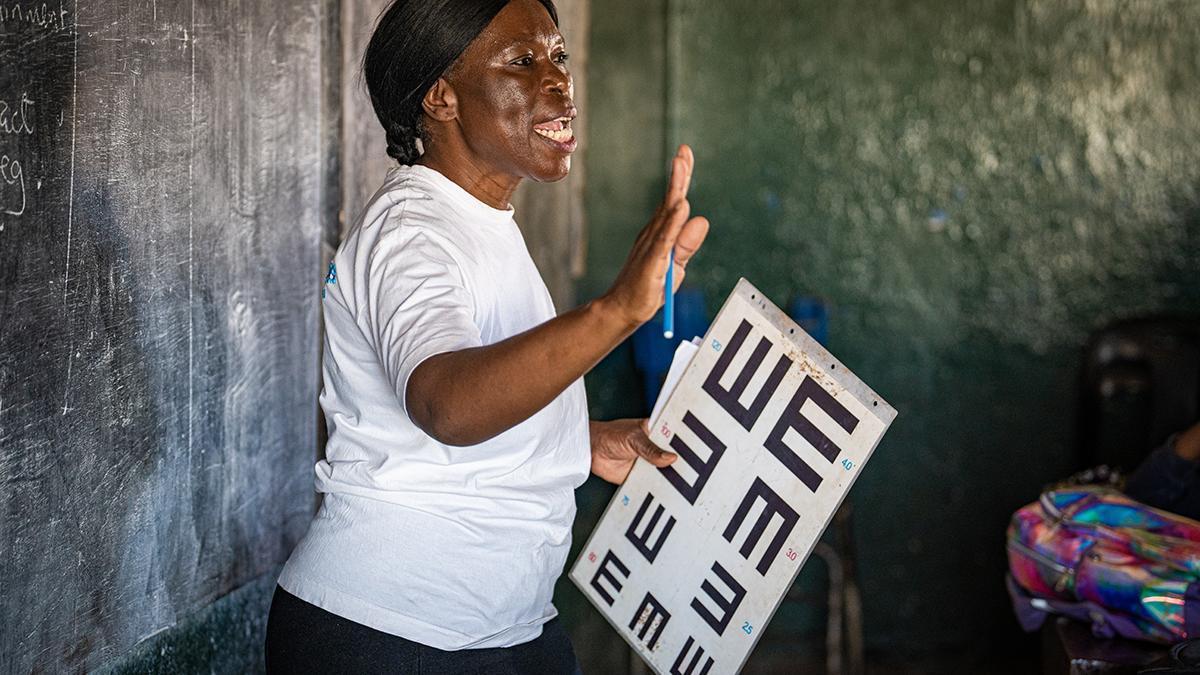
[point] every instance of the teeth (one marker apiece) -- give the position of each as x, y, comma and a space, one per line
561, 136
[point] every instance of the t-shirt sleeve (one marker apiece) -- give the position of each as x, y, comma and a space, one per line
418, 304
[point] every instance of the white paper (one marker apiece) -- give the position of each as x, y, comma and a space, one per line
683, 356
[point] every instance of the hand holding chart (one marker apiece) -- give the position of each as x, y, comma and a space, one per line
663, 247
691, 560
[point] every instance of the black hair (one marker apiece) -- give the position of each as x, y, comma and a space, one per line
415, 43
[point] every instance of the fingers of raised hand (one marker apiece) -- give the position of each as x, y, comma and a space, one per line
681, 174
662, 218
677, 188
691, 165
673, 222
679, 180
690, 238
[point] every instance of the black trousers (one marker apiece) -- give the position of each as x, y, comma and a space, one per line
303, 638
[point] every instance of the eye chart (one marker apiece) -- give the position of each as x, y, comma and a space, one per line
690, 562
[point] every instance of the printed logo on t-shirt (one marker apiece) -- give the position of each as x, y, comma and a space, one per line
330, 278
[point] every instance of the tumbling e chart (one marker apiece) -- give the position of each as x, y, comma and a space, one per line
690, 562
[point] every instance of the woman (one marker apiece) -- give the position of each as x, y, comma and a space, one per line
453, 394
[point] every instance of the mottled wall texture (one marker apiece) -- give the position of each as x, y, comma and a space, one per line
972, 187
164, 195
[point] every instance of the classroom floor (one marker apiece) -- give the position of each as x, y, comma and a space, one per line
930, 665
1018, 655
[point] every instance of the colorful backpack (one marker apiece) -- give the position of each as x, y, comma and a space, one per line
1094, 554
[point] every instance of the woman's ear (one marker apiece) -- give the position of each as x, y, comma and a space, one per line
440, 102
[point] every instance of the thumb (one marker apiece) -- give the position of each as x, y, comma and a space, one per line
655, 455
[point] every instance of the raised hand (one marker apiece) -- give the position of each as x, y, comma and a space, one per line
637, 292
465, 397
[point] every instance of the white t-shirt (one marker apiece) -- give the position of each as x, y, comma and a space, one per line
453, 547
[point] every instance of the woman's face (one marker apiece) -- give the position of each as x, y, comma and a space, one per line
514, 95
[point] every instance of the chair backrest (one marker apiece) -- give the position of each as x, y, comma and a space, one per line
813, 316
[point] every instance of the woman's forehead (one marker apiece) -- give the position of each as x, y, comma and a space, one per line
540, 37
522, 22
489, 45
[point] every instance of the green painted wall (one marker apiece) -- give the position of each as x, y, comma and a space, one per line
972, 187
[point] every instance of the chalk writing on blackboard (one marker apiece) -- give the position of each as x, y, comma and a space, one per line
42, 16
12, 175
14, 119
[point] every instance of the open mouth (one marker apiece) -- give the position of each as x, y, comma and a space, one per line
557, 130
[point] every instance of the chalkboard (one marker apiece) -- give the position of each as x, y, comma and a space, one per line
166, 184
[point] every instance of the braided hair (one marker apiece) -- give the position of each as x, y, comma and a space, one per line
414, 44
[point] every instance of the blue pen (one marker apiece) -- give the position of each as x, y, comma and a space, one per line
669, 305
